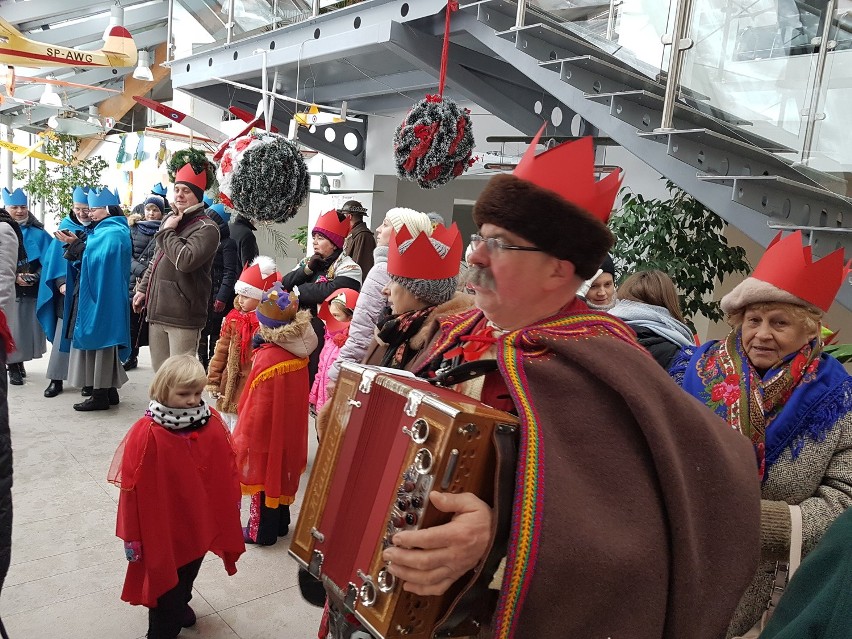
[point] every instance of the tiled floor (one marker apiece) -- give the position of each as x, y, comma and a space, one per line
68, 566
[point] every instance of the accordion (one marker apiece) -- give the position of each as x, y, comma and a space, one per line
390, 440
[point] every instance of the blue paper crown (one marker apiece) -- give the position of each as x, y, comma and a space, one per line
219, 209
103, 197
159, 189
80, 195
207, 200
15, 198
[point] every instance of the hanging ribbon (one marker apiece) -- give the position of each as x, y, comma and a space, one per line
452, 6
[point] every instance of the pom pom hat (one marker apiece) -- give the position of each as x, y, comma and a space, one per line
787, 273
80, 195
346, 296
278, 307
260, 276
553, 201
331, 227
197, 182
14, 198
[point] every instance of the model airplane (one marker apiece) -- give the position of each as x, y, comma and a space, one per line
119, 50
11, 80
30, 151
313, 116
325, 185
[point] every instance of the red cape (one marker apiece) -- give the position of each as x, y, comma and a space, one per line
180, 496
271, 435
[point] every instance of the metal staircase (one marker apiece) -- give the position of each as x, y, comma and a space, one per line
743, 176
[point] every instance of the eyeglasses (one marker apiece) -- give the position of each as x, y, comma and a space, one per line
493, 245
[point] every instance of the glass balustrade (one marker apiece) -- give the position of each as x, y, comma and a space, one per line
753, 63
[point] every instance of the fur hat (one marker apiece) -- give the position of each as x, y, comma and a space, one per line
277, 306
260, 276
553, 201
156, 200
432, 292
415, 221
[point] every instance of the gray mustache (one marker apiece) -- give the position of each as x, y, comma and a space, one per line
481, 277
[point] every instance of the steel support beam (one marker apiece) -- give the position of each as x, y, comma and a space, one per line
490, 83
90, 31
27, 16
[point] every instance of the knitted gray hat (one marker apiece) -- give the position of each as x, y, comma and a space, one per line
432, 292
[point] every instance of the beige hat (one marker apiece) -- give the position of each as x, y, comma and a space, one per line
415, 221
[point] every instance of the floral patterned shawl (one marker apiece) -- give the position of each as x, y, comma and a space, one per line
802, 396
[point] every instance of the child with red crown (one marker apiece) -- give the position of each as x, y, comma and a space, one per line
271, 435
231, 363
771, 381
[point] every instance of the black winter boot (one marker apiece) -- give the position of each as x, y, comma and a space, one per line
15, 377
86, 391
112, 395
98, 401
54, 388
23, 370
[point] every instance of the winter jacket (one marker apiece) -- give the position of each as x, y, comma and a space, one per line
242, 232
369, 306
231, 363
226, 269
142, 233
339, 271
5, 457
660, 333
359, 245
8, 267
177, 284
330, 350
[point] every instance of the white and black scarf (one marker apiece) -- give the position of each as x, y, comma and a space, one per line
179, 418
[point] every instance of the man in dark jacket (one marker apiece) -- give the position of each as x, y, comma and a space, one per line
226, 269
242, 232
360, 243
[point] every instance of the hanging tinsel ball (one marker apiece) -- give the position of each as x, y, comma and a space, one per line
434, 143
263, 176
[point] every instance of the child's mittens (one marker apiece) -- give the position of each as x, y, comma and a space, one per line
133, 550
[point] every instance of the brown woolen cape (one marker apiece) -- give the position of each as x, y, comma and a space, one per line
651, 508
650, 525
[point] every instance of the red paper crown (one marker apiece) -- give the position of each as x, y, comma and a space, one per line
257, 278
569, 171
329, 221
187, 174
421, 261
789, 266
348, 296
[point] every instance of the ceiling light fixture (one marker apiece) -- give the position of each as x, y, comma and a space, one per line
142, 70
50, 97
116, 19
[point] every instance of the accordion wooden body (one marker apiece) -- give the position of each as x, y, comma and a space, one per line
390, 440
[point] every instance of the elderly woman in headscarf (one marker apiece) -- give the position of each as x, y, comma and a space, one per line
770, 380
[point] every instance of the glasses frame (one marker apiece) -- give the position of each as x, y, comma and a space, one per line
493, 244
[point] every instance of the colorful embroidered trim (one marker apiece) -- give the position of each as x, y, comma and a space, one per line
527, 507
279, 369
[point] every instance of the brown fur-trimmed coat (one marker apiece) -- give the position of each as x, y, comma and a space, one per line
230, 367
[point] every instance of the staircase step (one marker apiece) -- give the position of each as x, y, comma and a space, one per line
793, 205
595, 75
644, 111
717, 154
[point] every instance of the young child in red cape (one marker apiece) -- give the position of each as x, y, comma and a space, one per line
180, 496
336, 311
231, 363
271, 435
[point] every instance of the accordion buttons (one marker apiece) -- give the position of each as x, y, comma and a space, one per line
408, 486
417, 502
402, 504
411, 519
398, 521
